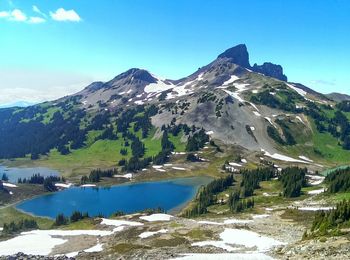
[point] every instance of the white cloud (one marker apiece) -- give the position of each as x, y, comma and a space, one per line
36, 19
4, 14
38, 11
63, 15
18, 15
39, 85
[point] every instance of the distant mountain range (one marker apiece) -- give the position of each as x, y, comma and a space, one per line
17, 104
254, 108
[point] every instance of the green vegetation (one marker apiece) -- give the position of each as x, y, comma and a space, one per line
331, 222
96, 175
206, 196
75, 217
10, 213
22, 225
293, 179
338, 180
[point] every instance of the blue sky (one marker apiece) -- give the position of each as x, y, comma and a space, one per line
50, 48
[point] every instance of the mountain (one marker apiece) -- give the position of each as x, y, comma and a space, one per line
338, 97
252, 108
18, 104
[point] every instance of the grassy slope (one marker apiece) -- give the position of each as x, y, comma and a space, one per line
9, 214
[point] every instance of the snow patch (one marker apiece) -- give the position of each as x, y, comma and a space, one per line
150, 233
299, 118
256, 113
225, 256
298, 90
179, 168
119, 223
315, 192
157, 217
88, 185
315, 208
126, 176
282, 157
248, 239
97, 248
232, 79
159, 86
9, 185
305, 158
64, 185
235, 164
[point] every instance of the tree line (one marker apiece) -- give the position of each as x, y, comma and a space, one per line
293, 179
331, 221
338, 180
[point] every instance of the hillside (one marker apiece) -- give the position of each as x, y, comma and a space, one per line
138, 118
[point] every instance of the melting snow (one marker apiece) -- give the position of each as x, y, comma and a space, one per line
314, 208
9, 185
269, 119
88, 185
97, 248
160, 86
231, 80
119, 223
299, 118
63, 185
305, 158
256, 113
315, 192
33, 244
298, 90
282, 157
241, 237
235, 164
157, 217
225, 256
127, 176
179, 168
149, 234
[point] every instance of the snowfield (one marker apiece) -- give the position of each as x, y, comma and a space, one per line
118, 223
241, 237
34, 244
157, 217
282, 157
158, 87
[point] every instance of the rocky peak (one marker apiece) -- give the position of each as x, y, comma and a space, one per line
271, 70
95, 86
136, 74
238, 55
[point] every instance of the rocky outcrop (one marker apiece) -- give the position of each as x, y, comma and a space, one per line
238, 55
271, 70
21, 256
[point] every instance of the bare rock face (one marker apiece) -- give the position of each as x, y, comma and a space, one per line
271, 70
238, 55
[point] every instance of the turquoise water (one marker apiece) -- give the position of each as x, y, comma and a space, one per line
170, 195
15, 173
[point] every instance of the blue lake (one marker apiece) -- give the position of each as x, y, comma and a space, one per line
15, 173
170, 195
